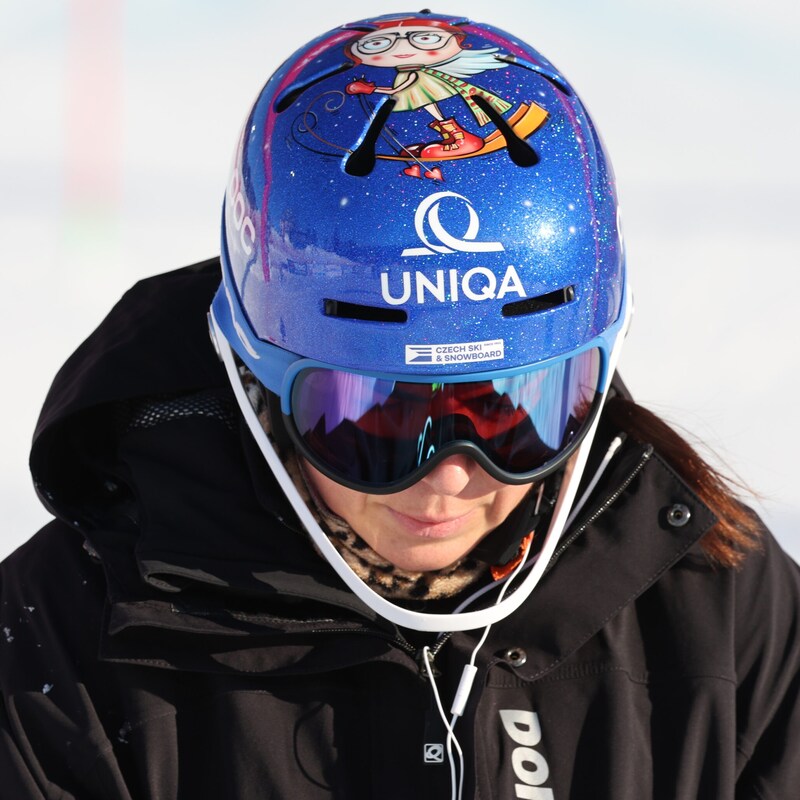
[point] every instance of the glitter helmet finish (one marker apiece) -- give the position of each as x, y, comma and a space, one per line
422, 198
361, 231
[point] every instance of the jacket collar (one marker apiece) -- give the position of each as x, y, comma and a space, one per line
619, 549
621, 544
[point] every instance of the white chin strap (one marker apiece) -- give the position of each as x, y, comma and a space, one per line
416, 620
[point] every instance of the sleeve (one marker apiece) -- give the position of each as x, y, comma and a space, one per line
17, 778
53, 743
768, 666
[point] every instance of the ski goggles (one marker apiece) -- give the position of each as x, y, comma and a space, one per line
381, 433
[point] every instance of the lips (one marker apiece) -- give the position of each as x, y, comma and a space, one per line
428, 527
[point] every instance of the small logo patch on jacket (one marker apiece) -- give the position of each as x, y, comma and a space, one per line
434, 754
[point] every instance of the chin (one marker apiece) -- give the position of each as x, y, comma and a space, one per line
423, 561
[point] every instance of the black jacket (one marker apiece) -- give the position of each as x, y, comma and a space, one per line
172, 634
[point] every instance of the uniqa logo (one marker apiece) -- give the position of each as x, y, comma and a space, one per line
478, 283
428, 212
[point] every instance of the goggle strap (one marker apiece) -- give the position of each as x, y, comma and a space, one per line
279, 432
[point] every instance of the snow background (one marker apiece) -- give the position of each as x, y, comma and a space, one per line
119, 121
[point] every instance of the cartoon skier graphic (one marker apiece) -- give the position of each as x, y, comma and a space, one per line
431, 66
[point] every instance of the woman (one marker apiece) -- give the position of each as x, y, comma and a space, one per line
409, 535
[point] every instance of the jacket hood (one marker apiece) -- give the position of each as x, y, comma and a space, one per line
139, 447
146, 346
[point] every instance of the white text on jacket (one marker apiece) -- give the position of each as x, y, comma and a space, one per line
530, 766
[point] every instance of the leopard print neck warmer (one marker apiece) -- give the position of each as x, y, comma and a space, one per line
382, 576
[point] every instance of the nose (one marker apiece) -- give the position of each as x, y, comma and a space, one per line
451, 476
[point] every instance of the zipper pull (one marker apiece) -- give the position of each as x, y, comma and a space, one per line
429, 669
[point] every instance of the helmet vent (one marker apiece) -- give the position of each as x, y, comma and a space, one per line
520, 152
343, 310
362, 160
544, 302
287, 97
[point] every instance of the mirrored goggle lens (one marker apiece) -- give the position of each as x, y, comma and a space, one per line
377, 432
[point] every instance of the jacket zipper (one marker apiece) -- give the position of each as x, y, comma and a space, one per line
600, 509
402, 644
433, 651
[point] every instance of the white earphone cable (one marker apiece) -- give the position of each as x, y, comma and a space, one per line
456, 775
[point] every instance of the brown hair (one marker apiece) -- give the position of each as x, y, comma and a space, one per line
738, 529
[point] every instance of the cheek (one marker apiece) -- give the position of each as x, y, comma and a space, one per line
506, 500
337, 498
373, 59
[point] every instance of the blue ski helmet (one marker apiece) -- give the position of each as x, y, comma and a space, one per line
421, 255
334, 213
421, 197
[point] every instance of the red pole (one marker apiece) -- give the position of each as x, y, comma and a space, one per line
94, 105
